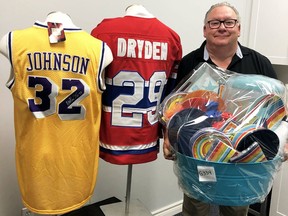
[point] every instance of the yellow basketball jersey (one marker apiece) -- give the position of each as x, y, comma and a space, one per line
57, 105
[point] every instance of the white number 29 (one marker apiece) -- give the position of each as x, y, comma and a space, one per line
125, 111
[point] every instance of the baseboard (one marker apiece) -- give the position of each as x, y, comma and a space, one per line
169, 210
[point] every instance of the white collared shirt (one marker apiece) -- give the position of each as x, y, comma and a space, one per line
238, 53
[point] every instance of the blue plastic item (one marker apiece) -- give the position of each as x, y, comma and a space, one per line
230, 184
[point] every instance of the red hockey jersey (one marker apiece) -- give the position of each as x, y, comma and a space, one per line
146, 54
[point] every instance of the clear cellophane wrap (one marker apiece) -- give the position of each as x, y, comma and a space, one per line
226, 131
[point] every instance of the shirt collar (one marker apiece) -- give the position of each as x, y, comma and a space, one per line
238, 53
138, 11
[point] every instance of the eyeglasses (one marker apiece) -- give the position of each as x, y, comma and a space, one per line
215, 24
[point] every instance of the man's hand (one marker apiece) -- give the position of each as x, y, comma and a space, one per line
168, 152
285, 153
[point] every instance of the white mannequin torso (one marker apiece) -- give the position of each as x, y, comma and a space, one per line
3, 45
59, 16
139, 11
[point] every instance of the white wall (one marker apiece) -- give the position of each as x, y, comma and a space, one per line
153, 183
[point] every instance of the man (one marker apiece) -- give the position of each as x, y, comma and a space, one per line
221, 48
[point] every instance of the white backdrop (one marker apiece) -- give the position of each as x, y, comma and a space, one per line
153, 183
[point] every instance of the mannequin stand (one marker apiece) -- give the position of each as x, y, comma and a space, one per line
131, 208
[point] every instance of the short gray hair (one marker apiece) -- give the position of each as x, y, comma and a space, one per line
219, 5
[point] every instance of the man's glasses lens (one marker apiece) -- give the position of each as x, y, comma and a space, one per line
214, 24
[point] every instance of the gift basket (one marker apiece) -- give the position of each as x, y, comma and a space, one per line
222, 127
